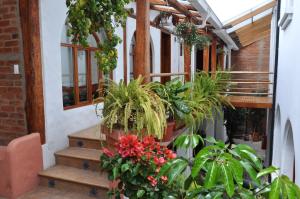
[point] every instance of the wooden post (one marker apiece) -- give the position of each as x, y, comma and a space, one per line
214, 56
206, 59
29, 14
142, 52
187, 62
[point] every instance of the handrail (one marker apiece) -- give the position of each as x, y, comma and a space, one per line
244, 93
244, 72
167, 74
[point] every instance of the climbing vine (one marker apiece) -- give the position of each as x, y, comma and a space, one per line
187, 32
88, 17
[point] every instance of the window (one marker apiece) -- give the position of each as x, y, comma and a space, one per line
80, 73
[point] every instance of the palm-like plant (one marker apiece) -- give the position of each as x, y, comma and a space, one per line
134, 107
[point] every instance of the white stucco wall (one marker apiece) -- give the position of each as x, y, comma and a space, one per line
59, 122
288, 92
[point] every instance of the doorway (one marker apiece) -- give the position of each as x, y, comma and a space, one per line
165, 57
199, 60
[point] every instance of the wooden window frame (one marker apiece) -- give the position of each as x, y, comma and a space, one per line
88, 50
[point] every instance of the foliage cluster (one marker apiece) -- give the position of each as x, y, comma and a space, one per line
187, 32
88, 17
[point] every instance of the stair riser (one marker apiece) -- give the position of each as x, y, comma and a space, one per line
78, 163
82, 143
96, 192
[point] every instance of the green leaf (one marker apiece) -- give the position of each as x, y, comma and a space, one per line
266, 171
211, 176
124, 168
211, 140
199, 163
251, 171
275, 189
177, 170
228, 180
115, 172
140, 193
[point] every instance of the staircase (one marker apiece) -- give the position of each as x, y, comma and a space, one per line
76, 173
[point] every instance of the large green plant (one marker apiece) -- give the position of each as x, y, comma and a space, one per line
134, 107
205, 97
222, 171
88, 17
173, 92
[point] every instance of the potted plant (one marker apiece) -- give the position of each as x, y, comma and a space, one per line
133, 108
177, 106
188, 33
135, 166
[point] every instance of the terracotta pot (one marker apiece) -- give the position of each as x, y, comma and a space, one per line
169, 131
179, 125
112, 136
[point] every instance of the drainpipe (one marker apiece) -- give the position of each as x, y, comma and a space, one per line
271, 139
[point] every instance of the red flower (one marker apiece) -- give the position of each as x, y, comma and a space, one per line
107, 152
152, 180
129, 146
164, 178
159, 161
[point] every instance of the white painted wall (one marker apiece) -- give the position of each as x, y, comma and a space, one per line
61, 123
288, 92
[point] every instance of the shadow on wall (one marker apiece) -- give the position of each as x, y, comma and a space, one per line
20, 163
288, 152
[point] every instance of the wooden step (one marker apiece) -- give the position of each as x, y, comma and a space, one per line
88, 138
78, 180
82, 158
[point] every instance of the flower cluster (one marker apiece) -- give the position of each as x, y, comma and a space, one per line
140, 160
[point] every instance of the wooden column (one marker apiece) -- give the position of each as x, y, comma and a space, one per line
187, 62
29, 14
125, 53
206, 59
142, 53
214, 56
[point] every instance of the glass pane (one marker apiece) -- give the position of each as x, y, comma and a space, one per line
82, 75
95, 76
67, 76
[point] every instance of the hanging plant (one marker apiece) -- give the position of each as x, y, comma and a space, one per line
87, 17
187, 32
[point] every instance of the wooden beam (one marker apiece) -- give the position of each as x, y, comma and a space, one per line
178, 6
142, 52
30, 23
187, 62
206, 59
252, 14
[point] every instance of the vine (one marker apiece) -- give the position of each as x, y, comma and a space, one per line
88, 17
187, 32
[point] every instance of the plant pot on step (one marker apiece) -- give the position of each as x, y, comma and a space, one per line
169, 130
112, 136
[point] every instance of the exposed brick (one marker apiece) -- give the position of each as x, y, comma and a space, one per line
12, 100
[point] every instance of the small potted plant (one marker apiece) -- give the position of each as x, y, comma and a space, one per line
177, 106
135, 166
132, 109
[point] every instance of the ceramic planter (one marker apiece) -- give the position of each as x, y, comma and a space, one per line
169, 131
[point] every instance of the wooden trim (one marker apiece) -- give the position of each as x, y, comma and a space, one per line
30, 23
252, 14
89, 76
125, 54
167, 74
75, 77
78, 46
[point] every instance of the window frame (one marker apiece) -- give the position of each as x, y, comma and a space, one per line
89, 84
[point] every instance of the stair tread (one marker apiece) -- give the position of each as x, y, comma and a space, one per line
92, 133
70, 174
81, 153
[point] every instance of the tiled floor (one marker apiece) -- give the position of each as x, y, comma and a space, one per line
50, 193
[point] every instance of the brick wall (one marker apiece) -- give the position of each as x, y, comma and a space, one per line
12, 89
254, 57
